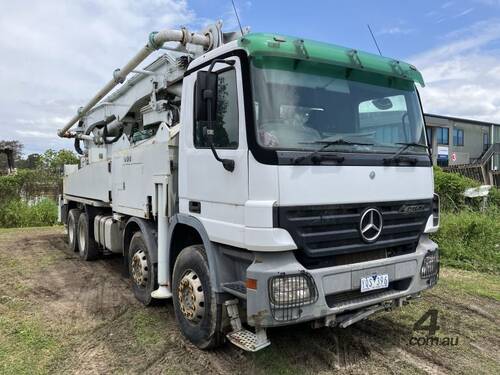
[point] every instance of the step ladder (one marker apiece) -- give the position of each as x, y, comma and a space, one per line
242, 337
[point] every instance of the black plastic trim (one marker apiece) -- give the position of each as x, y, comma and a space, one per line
326, 230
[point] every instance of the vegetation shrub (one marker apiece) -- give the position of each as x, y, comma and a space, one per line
18, 213
470, 240
451, 187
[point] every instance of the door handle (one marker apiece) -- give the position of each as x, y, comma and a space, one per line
195, 207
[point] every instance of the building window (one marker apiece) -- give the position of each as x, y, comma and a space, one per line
429, 134
458, 137
443, 136
486, 141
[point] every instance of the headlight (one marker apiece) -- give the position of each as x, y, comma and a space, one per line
430, 265
288, 292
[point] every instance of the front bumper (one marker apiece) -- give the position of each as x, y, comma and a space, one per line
338, 287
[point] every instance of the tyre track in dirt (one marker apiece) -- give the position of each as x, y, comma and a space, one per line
105, 330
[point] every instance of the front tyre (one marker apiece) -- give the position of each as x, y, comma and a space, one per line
197, 313
141, 269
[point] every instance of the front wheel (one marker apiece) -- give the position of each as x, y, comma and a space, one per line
196, 310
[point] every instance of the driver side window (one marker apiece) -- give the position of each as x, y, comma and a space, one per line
226, 127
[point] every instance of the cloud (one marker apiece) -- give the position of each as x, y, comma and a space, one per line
395, 31
57, 54
463, 13
463, 75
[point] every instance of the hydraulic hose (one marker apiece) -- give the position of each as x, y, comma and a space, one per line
78, 149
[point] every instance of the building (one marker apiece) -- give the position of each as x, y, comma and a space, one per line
458, 141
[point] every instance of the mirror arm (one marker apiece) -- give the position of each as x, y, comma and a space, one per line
222, 61
228, 164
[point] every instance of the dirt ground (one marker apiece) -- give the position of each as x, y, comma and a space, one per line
62, 315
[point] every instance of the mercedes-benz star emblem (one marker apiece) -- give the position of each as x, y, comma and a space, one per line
370, 225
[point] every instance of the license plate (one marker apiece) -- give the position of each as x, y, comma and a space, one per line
374, 282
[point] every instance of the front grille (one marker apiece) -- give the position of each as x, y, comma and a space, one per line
352, 296
321, 231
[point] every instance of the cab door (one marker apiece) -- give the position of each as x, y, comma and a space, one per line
207, 189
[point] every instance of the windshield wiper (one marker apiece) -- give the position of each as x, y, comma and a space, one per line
396, 158
317, 158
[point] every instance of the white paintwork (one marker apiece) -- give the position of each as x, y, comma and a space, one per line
259, 214
429, 225
69, 169
134, 168
263, 181
80, 182
163, 290
202, 178
304, 185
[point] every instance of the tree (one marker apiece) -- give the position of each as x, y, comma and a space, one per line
16, 147
53, 161
31, 162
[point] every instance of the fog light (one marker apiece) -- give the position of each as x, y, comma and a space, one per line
430, 265
287, 293
292, 290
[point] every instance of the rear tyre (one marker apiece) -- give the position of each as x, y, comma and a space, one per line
142, 271
196, 310
86, 245
72, 229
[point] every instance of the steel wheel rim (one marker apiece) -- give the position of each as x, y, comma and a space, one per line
191, 297
140, 269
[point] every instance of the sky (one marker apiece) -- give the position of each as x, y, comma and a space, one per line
55, 54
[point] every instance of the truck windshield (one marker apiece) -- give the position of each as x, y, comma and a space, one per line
301, 105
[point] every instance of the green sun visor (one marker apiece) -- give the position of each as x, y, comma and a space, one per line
260, 44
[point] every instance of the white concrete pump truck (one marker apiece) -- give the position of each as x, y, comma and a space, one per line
258, 181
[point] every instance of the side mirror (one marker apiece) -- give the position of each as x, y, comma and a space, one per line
206, 107
206, 98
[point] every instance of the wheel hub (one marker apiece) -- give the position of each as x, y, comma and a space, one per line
140, 268
191, 297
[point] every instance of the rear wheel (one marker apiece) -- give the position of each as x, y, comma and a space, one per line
86, 244
196, 310
141, 269
72, 229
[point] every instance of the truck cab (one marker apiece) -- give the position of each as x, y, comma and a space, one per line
299, 189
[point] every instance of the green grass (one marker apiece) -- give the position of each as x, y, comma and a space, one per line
26, 345
472, 283
149, 330
272, 361
470, 240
